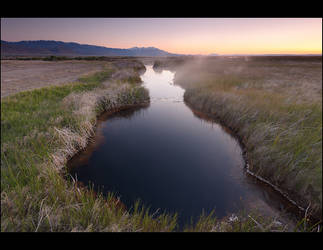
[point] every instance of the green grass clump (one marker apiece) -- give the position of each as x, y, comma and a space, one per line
27, 116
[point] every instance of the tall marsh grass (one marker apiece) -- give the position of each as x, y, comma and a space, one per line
278, 115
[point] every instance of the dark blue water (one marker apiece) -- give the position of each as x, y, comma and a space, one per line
167, 157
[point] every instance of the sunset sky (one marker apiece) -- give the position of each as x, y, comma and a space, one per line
176, 35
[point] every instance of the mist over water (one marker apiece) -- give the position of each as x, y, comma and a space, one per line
167, 157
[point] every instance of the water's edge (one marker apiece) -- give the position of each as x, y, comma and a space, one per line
213, 118
294, 207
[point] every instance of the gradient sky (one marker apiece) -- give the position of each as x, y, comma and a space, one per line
176, 35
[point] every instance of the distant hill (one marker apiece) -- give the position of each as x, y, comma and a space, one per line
149, 51
58, 48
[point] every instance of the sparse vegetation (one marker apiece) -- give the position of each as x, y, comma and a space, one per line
20, 75
55, 58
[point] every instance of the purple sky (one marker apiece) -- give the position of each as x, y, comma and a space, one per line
177, 35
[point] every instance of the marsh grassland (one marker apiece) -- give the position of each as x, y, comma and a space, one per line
274, 105
40, 130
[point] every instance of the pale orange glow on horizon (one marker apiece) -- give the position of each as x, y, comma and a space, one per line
177, 35
290, 36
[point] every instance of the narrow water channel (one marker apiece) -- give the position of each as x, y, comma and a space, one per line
170, 159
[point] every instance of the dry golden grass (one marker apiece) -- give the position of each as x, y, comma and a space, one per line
19, 75
275, 106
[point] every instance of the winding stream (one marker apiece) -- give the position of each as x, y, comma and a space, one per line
170, 159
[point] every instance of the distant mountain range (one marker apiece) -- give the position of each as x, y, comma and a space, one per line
58, 48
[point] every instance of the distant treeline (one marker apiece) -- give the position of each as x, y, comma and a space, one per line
62, 58
163, 61
286, 57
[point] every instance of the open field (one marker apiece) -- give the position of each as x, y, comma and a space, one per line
18, 75
274, 104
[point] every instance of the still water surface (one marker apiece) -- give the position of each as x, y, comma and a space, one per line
168, 158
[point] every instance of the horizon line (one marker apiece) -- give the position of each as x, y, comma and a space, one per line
187, 54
